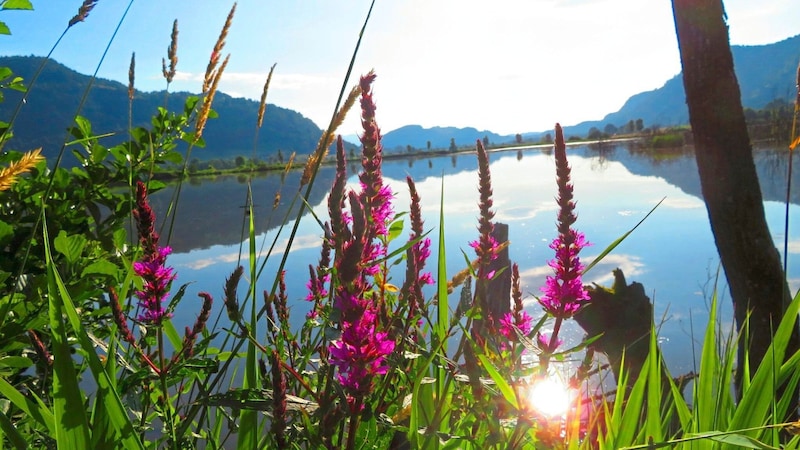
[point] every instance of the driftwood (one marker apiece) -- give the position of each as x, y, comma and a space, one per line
622, 317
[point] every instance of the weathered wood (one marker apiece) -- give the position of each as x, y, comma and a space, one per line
499, 301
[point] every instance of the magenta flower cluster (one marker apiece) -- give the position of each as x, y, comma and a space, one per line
510, 320
563, 292
156, 275
358, 240
360, 353
156, 278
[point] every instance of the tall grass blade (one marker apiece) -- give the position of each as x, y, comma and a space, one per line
755, 407
112, 404
30, 404
248, 419
619, 240
71, 423
7, 431
500, 382
707, 396
653, 425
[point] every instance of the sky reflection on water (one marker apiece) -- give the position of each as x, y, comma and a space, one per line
672, 253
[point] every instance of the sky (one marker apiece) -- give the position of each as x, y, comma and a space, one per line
507, 66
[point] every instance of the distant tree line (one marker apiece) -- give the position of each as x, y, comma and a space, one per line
773, 122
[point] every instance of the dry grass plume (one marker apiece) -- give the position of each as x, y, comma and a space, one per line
172, 55
263, 105
217, 51
326, 140
83, 12
202, 117
131, 76
9, 175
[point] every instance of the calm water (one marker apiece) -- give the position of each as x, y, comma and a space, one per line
672, 253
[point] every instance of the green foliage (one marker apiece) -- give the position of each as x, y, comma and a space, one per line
6, 5
670, 140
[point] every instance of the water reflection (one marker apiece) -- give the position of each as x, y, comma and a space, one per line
672, 254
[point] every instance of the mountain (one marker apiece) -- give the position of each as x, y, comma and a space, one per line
56, 94
439, 137
765, 73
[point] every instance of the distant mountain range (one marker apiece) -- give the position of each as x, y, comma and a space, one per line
765, 73
48, 111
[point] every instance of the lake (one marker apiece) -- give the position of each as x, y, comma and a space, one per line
672, 253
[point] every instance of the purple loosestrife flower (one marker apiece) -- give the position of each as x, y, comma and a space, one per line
564, 293
545, 340
518, 318
416, 256
375, 195
156, 276
509, 321
360, 352
486, 245
486, 248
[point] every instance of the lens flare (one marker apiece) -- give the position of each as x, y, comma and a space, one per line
550, 396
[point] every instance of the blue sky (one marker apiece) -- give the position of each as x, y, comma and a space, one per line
507, 66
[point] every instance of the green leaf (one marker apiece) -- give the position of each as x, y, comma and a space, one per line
502, 384
5, 72
4, 29
18, 4
395, 229
6, 233
101, 267
19, 362
741, 441
70, 246
17, 85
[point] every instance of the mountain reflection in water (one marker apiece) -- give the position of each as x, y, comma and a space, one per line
672, 253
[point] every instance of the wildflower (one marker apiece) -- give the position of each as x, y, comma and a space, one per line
486, 248
375, 194
511, 321
156, 276
544, 341
231, 300
278, 426
320, 277
417, 254
564, 293
486, 245
361, 353
190, 335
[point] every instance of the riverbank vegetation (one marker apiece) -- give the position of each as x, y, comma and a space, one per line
393, 351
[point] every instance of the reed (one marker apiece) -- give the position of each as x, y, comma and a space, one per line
29, 160
213, 61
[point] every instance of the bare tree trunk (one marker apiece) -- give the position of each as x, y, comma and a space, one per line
728, 178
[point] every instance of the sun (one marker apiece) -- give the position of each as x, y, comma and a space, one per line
550, 396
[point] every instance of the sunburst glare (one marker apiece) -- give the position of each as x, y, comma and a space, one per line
550, 396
